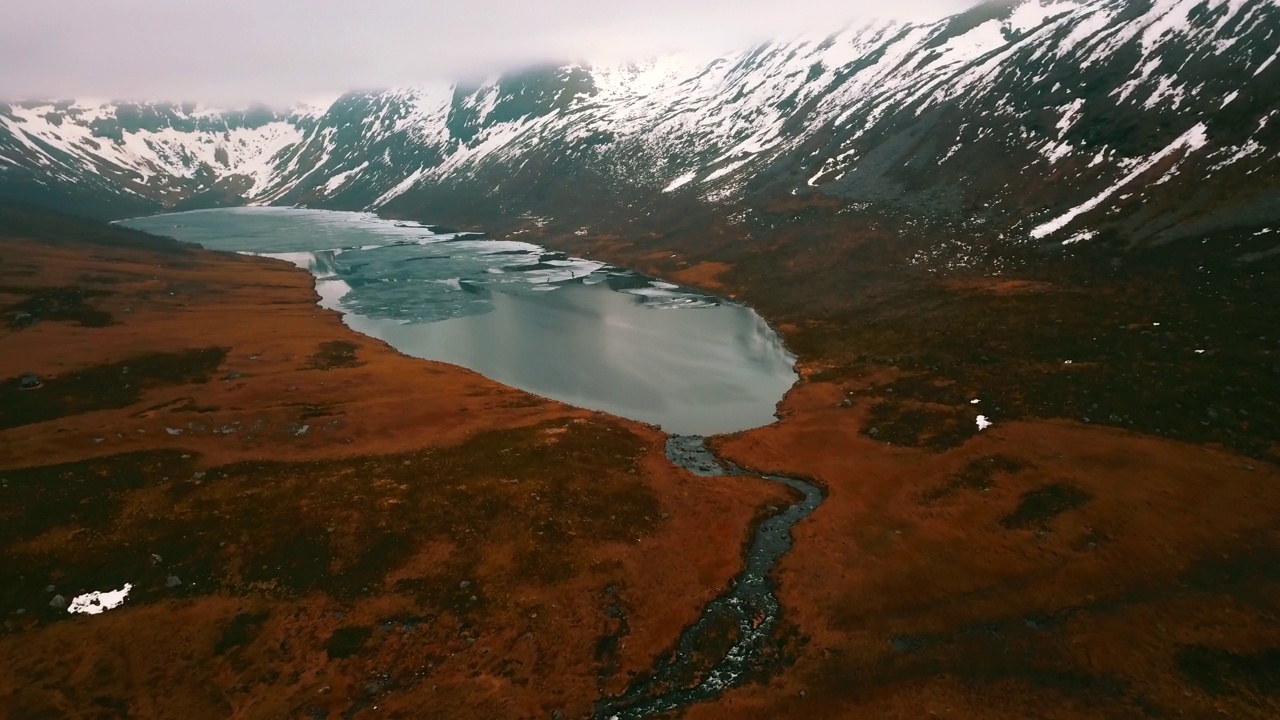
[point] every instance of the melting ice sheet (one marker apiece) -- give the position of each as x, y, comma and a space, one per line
566, 328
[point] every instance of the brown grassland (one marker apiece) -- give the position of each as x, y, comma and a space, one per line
354, 533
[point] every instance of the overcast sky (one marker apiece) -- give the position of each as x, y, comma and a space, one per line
277, 51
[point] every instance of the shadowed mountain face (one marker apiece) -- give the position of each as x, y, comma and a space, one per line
1028, 123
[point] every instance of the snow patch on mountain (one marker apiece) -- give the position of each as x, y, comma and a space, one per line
337, 181
680, 182
1092, 93
1192, 140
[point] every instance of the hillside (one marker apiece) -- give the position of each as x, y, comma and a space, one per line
1060, 215
1016, 123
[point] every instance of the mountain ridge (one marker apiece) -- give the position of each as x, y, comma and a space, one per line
1034, 122
1025, 258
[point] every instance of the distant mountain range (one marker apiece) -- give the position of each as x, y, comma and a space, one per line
1039, 122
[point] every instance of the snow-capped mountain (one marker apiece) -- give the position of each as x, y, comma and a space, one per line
1040, 121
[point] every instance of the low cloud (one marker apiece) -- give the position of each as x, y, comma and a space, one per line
239, 51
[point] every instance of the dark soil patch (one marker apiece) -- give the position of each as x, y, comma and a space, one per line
978, 475
311, 412
914, 424
84, 500
616, 629
1221, 672
240, 632
335, 354
334, 527
1039, 507
102, 387
347, 641
56, 304
1247, 573
989, 654
83, 494
443, 591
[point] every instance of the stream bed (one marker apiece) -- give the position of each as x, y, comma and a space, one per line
746, 613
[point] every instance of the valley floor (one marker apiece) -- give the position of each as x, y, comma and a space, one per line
1109, 547
356, 533
312, 524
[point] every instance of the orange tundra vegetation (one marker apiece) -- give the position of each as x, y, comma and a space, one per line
313, 524
359, 534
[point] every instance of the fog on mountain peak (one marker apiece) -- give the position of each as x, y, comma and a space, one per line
239, 51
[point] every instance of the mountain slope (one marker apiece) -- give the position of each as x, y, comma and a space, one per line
1062, 216
1035, 121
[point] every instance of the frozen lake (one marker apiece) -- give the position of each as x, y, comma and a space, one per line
574, 330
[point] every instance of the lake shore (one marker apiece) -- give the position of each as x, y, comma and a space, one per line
347, 527
1042, 566
581, 332
1106, 546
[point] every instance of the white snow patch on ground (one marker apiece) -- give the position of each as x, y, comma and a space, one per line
1081, 237
1056, 151
680, 182
1070, 114
400, 188
974, 44
1166, 88
1191, 140
1030, 15
983, 423
95, 603
342, 178
1266, 64
725, 170
1248, 149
